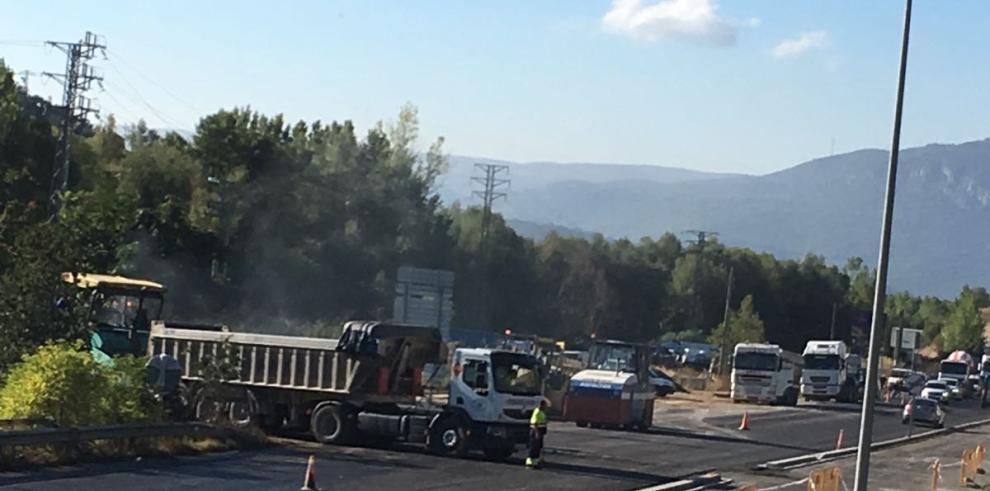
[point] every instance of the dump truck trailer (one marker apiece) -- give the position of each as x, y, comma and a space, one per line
367, 384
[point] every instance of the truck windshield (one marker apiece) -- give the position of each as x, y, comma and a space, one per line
954, 367
616, 357
516, 374
755, 361
821, 362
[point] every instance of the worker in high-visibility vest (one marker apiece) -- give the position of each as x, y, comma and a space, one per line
537, 431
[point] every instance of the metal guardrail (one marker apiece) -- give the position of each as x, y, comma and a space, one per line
44, 436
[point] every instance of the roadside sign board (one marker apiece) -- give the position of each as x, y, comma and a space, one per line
910, 339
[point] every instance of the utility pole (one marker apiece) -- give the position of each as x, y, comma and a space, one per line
880, 293
723, 356
77, 79
831, 330
493, 186
700, 242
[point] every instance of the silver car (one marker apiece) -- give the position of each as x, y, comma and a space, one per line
923, 410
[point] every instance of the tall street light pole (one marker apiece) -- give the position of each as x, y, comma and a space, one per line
879, 295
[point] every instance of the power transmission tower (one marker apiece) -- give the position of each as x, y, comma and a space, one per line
77, 79
493, 186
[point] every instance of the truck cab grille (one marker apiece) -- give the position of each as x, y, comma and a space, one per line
518, 413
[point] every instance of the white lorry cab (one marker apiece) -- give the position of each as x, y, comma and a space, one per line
958, 365
826, 372
765, 373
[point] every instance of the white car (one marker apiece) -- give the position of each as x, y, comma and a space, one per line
936, 390
954, 388
898, 378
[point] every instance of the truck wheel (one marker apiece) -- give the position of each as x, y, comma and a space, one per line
208, 408
330, 424
791, 397
581, 424
449, 437
242, 412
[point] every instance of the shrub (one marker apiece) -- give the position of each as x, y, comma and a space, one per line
63, 383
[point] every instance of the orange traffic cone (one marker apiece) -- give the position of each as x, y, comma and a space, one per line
838, 441
309, 482
744, 424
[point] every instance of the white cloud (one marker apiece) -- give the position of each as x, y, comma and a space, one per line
674, 20
805, 42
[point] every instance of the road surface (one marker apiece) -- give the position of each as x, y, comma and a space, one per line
684, 441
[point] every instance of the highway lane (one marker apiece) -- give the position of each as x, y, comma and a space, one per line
578, 458
817, 427
396, 468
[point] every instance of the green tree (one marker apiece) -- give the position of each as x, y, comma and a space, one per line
745, 326
964, 327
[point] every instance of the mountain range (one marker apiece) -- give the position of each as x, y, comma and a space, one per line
830, 206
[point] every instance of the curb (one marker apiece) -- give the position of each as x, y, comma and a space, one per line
803, 460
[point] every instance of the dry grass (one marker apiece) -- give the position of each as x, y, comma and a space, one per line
26, 457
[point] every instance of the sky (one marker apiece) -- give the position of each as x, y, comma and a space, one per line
743, 86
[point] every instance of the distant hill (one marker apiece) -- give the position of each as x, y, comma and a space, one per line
456, 184
538, 231
829, 206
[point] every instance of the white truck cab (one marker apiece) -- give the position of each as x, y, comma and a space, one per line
764, 373
495, 387
826, 373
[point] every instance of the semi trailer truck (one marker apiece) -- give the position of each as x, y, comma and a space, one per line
765, 373
828, 373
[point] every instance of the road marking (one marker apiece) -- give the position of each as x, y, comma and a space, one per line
785, 485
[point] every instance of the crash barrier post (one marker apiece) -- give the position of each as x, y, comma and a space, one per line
972, 459
827, 479
936, 474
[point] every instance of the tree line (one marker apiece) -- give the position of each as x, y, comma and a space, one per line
269, 225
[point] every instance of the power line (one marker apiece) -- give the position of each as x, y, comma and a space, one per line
115, 55
19, 42
141, 100
121, 105
137, 100
76, 80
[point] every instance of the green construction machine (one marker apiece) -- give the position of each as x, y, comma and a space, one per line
121, 311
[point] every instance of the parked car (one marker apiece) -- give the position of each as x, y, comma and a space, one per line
664, 357
923, 410
663, 384
936, 390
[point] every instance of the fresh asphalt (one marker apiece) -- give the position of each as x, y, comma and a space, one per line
577, 458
